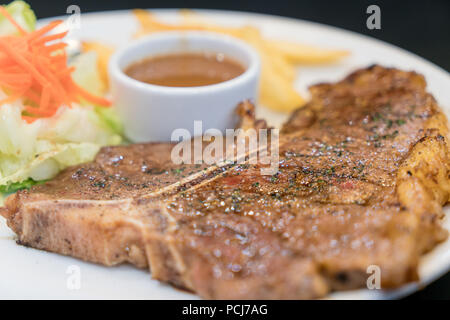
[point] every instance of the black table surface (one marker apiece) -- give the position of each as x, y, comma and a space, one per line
422, 27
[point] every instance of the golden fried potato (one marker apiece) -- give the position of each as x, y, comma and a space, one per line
303, 54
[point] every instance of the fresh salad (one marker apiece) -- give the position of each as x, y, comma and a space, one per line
53, 113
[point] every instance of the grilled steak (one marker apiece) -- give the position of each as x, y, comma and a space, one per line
363, 174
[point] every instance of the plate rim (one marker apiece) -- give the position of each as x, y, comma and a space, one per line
390, 294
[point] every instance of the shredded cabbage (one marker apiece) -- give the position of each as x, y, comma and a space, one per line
39, 150
22, 14
87, 75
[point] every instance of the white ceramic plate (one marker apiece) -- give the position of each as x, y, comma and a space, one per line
30, 273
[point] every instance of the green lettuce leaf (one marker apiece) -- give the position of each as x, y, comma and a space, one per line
13, 187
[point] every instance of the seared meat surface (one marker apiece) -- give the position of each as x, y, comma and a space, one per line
363, 174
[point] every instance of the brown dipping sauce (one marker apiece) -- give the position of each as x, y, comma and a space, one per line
185, 69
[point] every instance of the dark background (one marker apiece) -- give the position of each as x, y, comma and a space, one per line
422, 27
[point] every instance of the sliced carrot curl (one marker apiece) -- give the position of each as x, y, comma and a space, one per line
33, 69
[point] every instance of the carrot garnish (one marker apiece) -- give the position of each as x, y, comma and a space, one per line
33, 66
33, 36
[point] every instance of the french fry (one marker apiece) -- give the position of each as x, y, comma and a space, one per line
150, 24
279, 59
277, 74
276, 90
303, 54
190, 17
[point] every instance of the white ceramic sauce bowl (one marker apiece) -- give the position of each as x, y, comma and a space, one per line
152, 112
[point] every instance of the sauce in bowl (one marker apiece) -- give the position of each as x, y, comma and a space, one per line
185, 69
